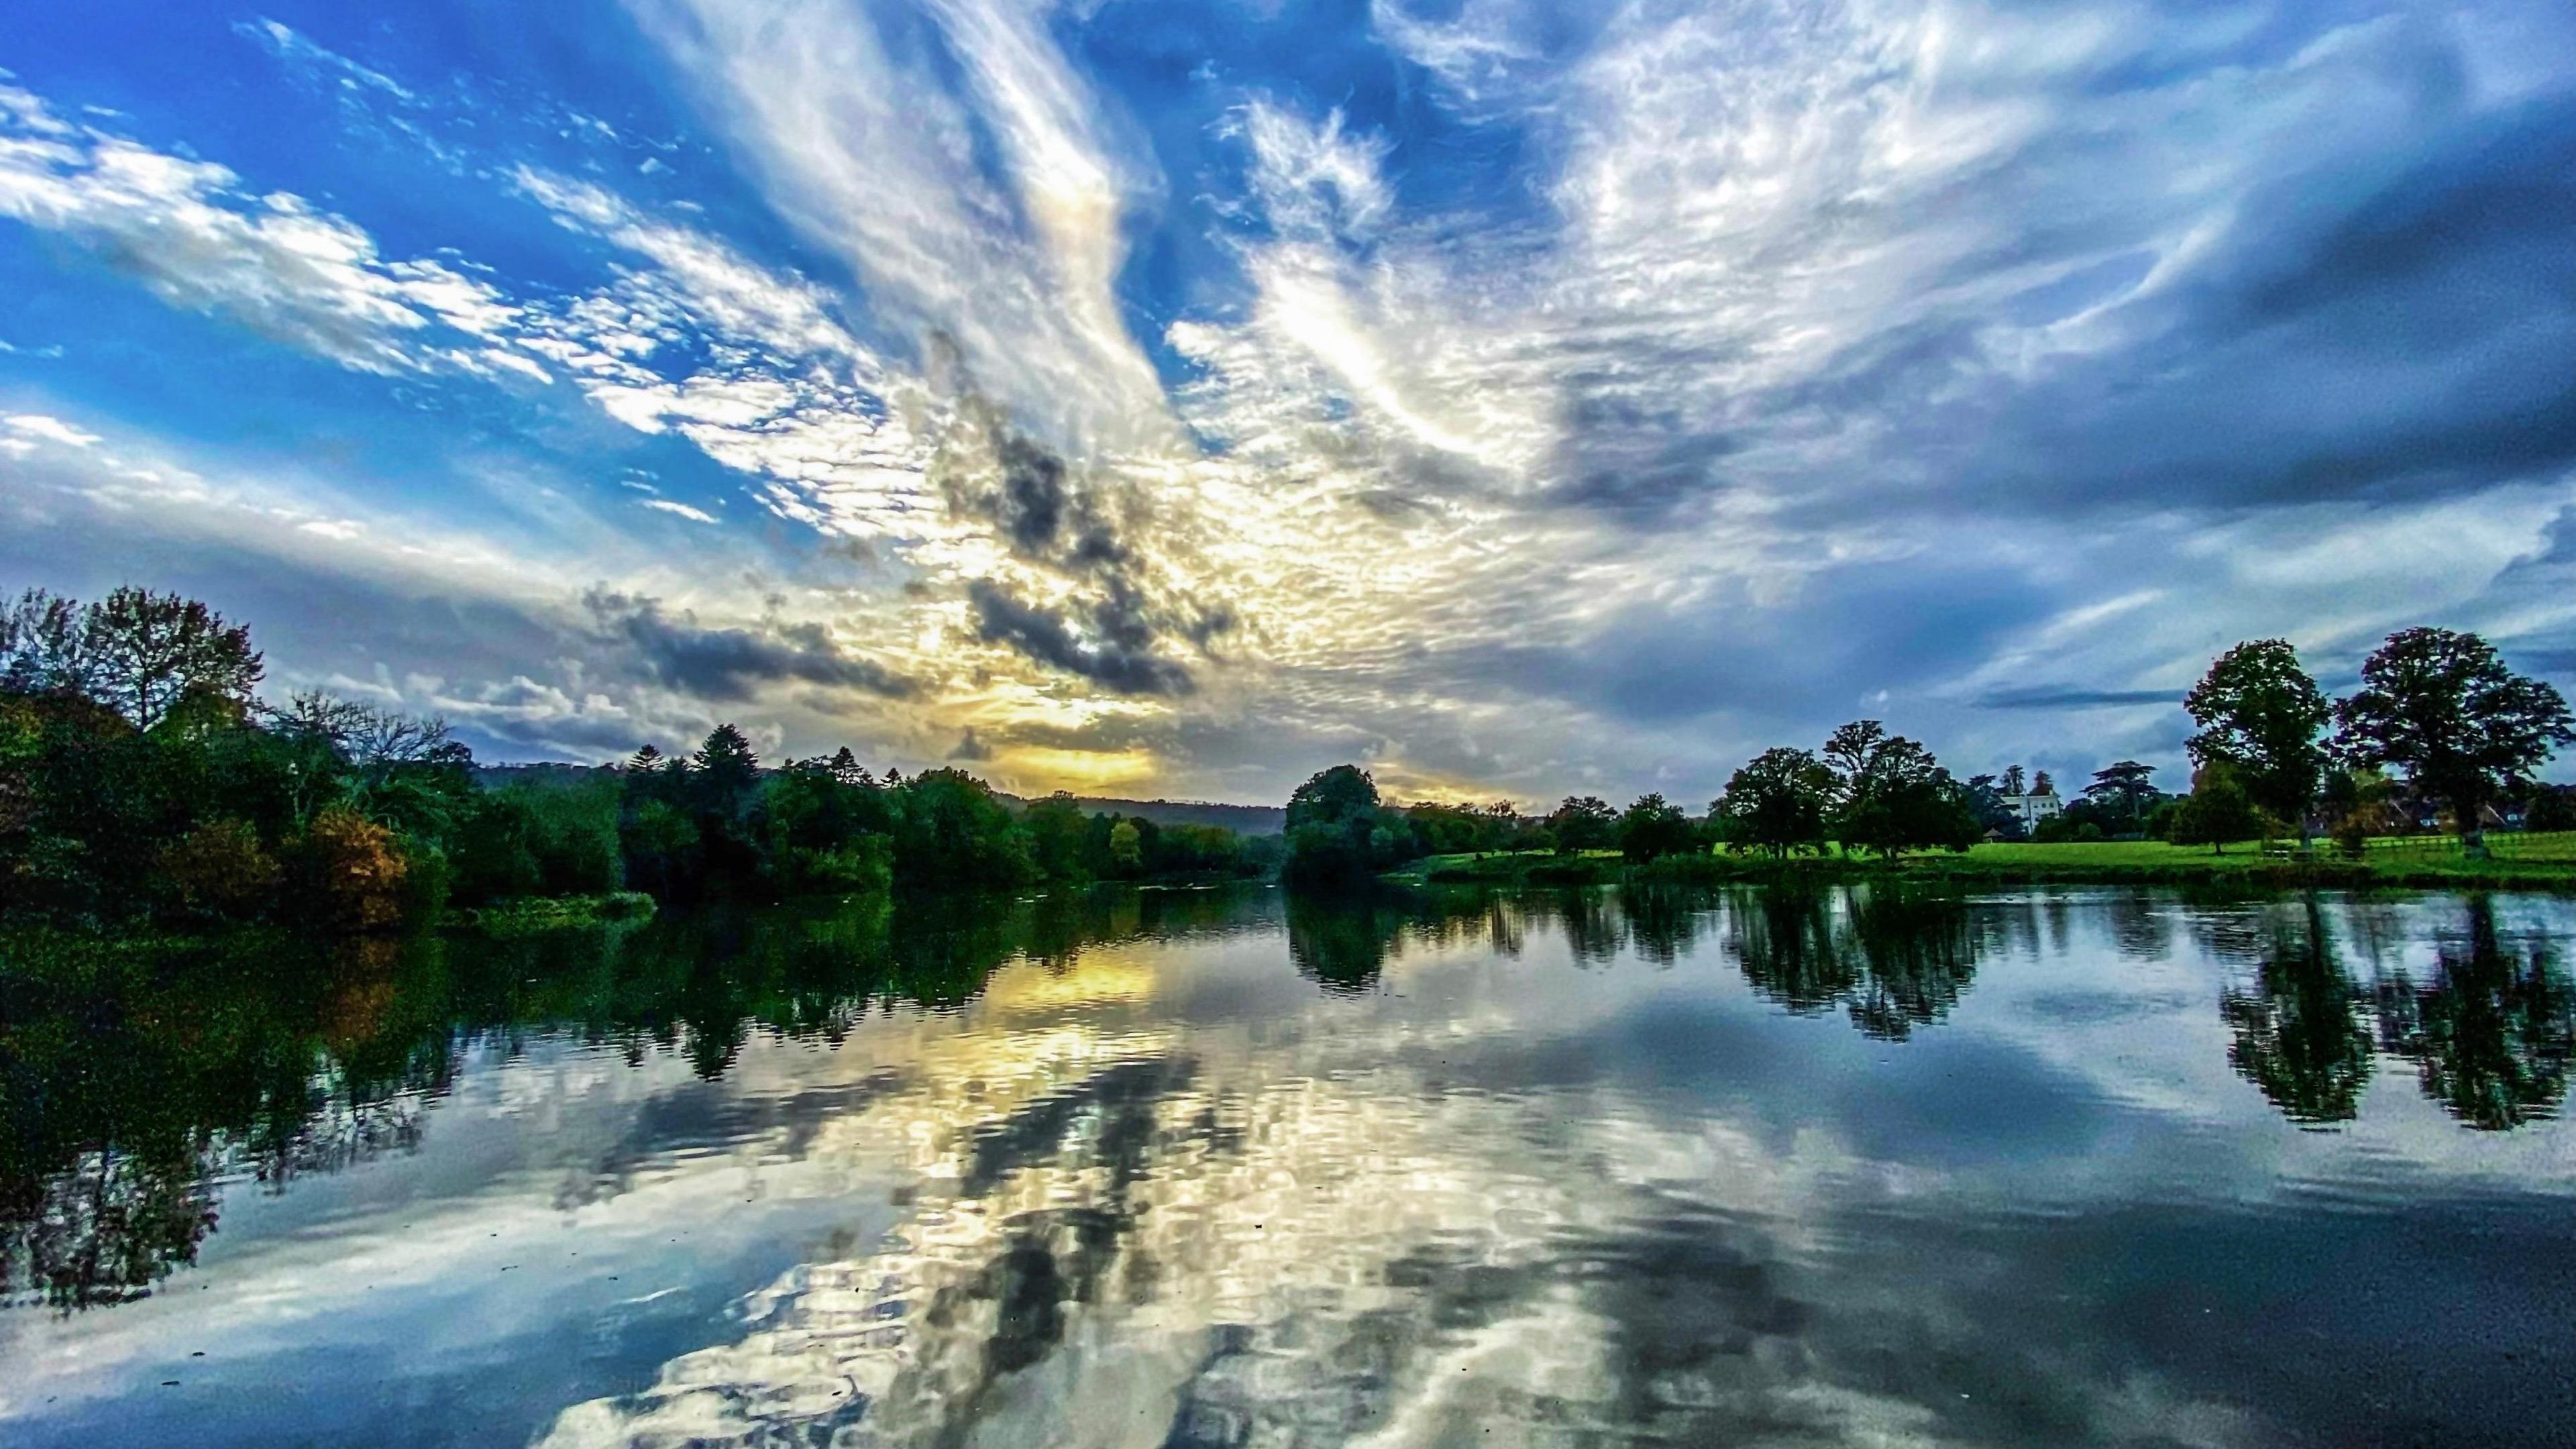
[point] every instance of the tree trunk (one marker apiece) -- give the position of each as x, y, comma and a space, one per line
2473, 836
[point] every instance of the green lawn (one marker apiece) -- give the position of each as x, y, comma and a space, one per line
2526, 859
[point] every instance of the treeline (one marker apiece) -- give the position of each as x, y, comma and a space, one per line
143, 781
2273, 756
1866, 788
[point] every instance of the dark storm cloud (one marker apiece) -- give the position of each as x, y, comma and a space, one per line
1112, 648
731, 664
1054, 520
2068, 696
1034, 503
970, 750
2412, 336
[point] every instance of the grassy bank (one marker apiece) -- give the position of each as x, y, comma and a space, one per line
546, 913
2515, 862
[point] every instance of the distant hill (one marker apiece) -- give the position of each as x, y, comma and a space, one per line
1243, 819
493, 777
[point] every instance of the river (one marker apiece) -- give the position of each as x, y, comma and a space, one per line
1229, 1168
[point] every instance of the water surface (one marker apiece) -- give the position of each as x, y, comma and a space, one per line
1235, 1169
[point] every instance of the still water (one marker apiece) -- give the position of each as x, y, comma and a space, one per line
1231, 1168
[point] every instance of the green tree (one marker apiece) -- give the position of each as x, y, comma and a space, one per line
1778, 802
150, 651
1584, 822
2124, 790
1653, 828
1848, 751
2444, 708
2550, 809
1127, 848
45, 646
726, 764
1338, 831
2262, 716
2217, 811
1057, 828
1894, 796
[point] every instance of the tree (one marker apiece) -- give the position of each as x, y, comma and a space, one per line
2261, 716
2444, 708
2040, 784
1584, 823
2014, 781
150, 651
1986, 804
1127, 848
2217, 812
1653, 828
1057, 829
1848, 751
2550, 809
1337, 830
45, 646
1778, 802
1894, 796
2126, 784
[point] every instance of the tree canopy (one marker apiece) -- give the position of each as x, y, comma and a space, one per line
2443, 707
2262, 716
1778, 802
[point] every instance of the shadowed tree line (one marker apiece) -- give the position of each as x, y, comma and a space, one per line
143, 781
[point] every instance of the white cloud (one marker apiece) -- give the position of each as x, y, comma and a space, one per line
682, 510
189, 231
875, 158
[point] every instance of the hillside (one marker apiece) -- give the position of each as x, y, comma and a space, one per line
1243, 819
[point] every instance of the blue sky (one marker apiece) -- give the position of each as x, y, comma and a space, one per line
1178, 397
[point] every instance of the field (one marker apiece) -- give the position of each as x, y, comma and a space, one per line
2515, 860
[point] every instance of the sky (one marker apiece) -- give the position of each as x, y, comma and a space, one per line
1174, 397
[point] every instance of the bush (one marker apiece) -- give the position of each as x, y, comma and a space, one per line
352, 872
219, 869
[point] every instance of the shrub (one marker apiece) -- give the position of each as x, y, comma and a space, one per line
353, 872
219, 869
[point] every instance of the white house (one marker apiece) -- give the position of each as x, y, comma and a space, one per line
2032, 809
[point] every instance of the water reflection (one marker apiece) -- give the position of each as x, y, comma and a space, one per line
2299, 1032
2493, 1032
1895, 958
2489, 1037
1239, 1168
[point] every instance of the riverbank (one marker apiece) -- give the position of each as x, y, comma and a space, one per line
546, 913
2522, 862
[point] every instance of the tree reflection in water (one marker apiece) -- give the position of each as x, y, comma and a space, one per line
1895, 957
2492, 1035
140, 1077
139, 1080
2298, 1029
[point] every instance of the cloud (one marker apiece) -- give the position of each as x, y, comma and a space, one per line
730, 665
681, 510
1517, 395
971, 750
1111, 645
275, 263
2067, 696
877, 153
